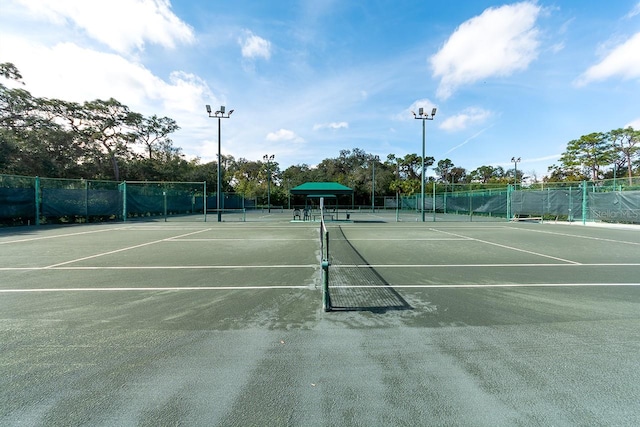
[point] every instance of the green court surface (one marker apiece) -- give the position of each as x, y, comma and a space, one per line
467, 322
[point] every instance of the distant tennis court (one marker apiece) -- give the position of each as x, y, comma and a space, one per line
476, 321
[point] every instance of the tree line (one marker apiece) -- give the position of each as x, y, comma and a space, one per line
106, 140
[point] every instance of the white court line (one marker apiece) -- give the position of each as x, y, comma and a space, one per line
338, 266
158, 228
58, 236
241, 239
495, 285
122, 249
601, 239
162, 267
425, 239
438, 239
237, 288
538, 265
168, 288
416, 226
510, 247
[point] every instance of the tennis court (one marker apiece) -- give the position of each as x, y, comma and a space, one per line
221, 323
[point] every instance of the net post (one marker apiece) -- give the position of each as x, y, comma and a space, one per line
324, 255
326, 304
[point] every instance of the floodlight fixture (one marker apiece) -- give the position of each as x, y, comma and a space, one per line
208, 108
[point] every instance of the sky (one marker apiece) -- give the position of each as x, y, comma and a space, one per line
308, 78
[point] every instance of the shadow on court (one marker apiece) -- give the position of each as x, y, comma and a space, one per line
356, 286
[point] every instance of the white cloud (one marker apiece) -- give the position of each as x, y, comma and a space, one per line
622, 61
498, 42
635, 11
123, 25
466, 141
101, 75
634, 124
254, 46
332, 125
468, 117
56, 72
557, 47
283, 135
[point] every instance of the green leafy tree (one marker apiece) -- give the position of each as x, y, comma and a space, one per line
626, 144
458, 175
483, 174
109, 126
444, 170
249, 177
590, 153
297, 174
153, 132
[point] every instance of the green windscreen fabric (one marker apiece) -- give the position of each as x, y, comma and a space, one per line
17, 198
615, 207
17, 203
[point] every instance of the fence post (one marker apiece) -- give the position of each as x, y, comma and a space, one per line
38, 199
164, 199
204, 201
86, 200
124, 200
584, 202
509, 202
434, 201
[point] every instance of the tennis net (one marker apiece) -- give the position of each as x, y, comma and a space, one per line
355, 284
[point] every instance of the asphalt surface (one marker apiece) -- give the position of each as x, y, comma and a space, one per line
491, 324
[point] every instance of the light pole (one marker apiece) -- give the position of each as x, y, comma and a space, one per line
373, 183
220, 114
515, 177
423, 116
268, 158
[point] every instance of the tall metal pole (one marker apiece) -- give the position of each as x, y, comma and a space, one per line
268, 159
423, 116
424, 143
219, 187
373, 184
515, 178
220, 114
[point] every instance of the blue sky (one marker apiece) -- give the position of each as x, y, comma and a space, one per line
309, 78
